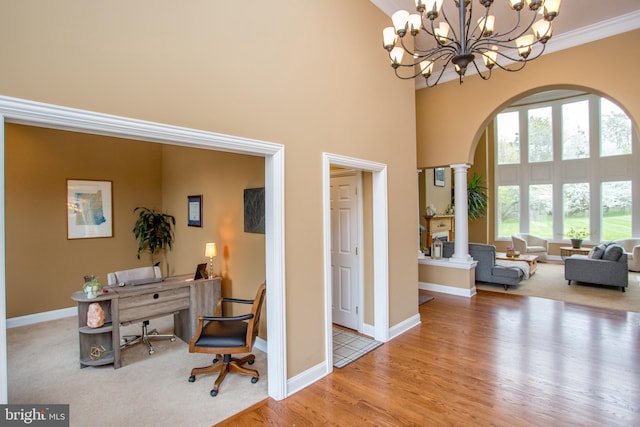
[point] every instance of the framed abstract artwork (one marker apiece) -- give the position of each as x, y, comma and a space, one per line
254, 210
89, 209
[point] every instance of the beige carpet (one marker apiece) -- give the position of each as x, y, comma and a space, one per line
43, 368
548, 282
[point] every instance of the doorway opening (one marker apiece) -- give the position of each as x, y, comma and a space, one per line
379, 258
56, 117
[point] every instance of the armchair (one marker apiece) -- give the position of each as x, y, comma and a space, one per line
224, 336
139, 276
528, 244
632, 250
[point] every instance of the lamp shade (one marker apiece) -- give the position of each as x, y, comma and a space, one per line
211, 250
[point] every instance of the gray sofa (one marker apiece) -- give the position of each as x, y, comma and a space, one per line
606, 265
487, 269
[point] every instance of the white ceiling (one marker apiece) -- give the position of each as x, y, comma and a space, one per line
579, 21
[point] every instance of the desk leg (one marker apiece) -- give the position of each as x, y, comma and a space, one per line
115, 335
181, 325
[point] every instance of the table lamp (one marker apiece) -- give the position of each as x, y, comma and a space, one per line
210, 251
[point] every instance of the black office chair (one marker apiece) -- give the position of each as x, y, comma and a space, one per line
224, 336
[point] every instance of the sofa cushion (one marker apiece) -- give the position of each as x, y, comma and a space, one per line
598, 251
613, 253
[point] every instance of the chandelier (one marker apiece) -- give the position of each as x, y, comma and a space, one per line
474, 40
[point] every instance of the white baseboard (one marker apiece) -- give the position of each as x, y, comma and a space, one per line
45, 316
404, 326
447, 289
308, 377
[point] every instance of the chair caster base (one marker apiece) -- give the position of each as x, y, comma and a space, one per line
192, 378
213, 393
254, 380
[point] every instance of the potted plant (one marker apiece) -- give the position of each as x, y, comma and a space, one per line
154, 231
577, 235
476, 198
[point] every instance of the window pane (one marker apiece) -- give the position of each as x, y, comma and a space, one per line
508, 210
540, 135
575, 130
575, 199
616, 210
615, 130
508, 138
541, 210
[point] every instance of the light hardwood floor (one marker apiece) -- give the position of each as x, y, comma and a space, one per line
495, 359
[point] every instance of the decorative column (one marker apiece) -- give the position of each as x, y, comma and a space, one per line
461, 247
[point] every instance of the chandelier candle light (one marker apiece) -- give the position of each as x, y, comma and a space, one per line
474, 39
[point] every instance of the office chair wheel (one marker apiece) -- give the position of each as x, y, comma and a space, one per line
215, 360
173, 339
254, 380
251, 362
152, 351
192, 378
213, 393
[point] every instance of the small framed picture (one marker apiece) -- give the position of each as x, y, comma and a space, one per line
438, 177
89, 209
194, 208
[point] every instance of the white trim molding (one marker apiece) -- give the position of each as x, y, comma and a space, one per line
380, 247
27, 112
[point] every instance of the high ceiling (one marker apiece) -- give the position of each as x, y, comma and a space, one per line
579, 21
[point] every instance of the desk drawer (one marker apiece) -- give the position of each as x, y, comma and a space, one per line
148, 305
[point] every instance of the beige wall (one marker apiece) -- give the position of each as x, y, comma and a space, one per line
43, 267
458, 114
143, 174
320, 83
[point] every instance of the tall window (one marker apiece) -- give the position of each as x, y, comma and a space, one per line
575, 130
540, 135
566, 160
541, 209
576, 202
616, 210
508, 137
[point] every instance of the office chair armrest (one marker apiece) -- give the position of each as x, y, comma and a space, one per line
239, 301
226, 319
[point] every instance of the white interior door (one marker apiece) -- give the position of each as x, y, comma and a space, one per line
345, 266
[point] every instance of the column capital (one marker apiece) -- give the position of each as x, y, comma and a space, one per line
460, 166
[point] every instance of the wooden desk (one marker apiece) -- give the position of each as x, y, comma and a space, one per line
181, 296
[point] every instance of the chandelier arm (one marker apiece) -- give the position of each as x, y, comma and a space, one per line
451, 28
487, 77
526, 28
444, 67
519, 59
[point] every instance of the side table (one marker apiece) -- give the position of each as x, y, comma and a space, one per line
567, 251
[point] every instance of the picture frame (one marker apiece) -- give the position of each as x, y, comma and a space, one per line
438, 177
194, 211
254, 210
89, 209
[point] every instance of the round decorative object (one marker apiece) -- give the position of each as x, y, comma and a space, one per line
96, 352
95, 315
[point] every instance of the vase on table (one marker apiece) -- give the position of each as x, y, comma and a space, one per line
576, 243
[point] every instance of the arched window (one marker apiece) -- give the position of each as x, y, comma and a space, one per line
566, 160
